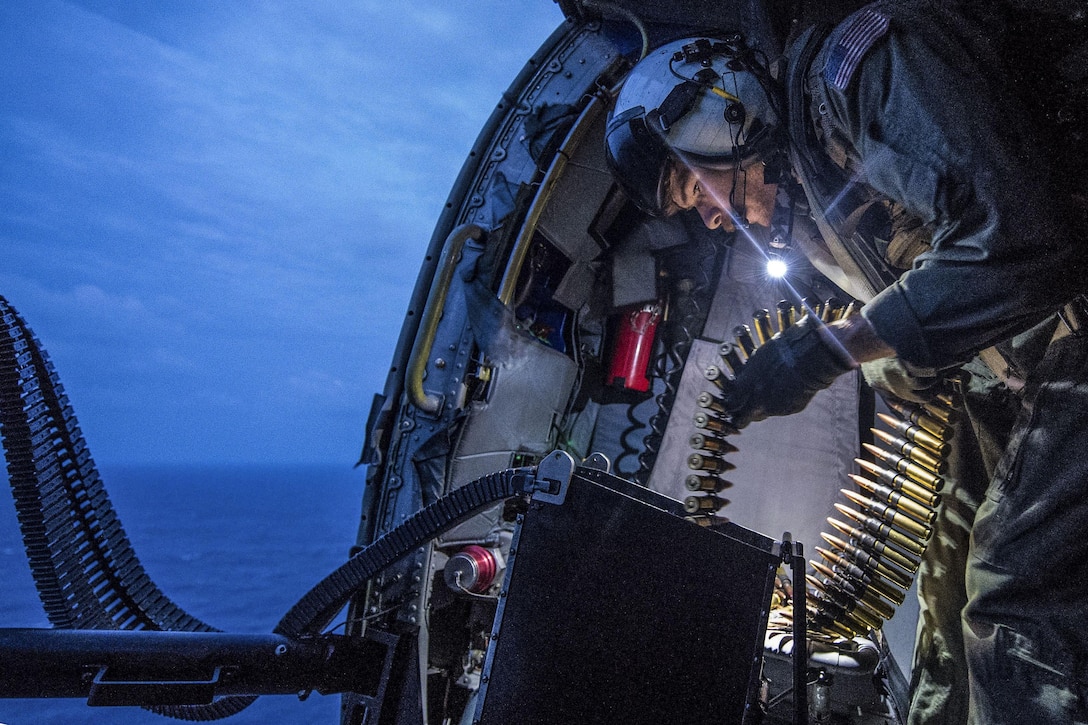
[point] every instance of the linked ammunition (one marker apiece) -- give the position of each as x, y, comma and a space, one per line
729, 355
870, 578
714, 424
851, 613
915, 473
717, 376
825, 623
786, 315
917, 415
709, 484
699, 462
918, 454
717, 446
704, 504
884, 530
944, 413
704, 521
761, 321
851, 602
868, 584
867, 560
743, 335
889, 514
877, 596
880, 547
915, 434
711, 402
895, 498
830, 306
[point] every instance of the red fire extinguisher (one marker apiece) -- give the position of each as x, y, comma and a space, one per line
634, 341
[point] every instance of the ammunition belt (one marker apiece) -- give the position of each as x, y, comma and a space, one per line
875, 548
85, 570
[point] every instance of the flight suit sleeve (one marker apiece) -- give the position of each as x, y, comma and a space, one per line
931, 126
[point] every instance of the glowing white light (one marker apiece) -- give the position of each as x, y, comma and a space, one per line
777, 267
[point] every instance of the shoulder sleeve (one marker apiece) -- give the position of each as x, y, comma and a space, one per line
932, 127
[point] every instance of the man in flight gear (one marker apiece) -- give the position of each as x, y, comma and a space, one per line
953, 119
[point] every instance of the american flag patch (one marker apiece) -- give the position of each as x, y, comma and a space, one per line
866, 28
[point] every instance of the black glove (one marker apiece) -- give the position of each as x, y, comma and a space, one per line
785, 372
901, 379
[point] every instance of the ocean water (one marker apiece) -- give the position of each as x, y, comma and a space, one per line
234, 546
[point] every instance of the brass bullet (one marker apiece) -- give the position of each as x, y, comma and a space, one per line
896, 499
761, 321
915, 434
944, 413
743, 335
872, 587
914, 473
717, 446
786, 315
880, 547
889, 514
853, 615
850, 602
713, 423
717, 376
871, 579
699, 462
730, 356
917, 415
867, 560
914, 452
709, 484
884, 530
704, 504
711, 402
867, 589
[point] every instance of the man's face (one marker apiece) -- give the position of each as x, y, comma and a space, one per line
724, 197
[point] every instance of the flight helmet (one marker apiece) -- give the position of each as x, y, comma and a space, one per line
701, 101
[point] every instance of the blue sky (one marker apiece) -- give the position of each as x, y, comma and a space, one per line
212, 213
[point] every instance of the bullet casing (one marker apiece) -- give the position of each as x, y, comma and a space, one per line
716, 375
919, 417
849, 602
895, 499
915, 473
915, 434
889, 514
871, 579
699, 462
917, 454
867, 559
717, 446
884, 530
786, 315
761, 321
709, 484
714, 424
703, 504
729, 355
880, 547
712, 402
743, 335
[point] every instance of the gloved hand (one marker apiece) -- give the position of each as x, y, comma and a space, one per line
901, 379
785, 372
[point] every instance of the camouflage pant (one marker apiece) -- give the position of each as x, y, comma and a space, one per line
1003, 586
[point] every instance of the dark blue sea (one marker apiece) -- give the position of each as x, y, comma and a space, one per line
234, 546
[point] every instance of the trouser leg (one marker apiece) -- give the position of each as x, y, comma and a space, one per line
939, 689
1027, 579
